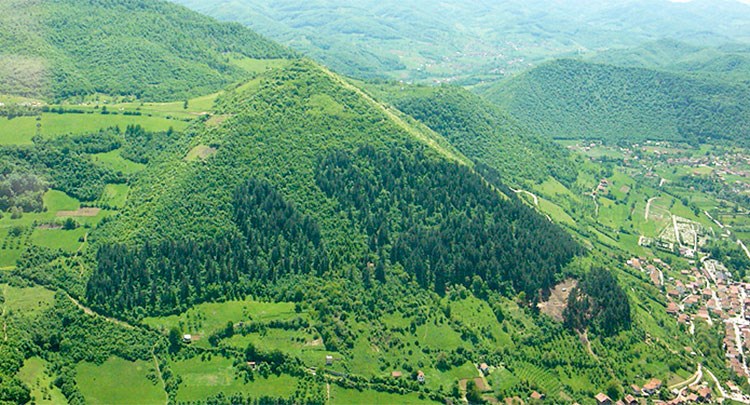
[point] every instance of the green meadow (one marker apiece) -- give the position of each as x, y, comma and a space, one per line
204, 319
21, 130
205, 378
115, 382
26, 299
116, 162
35, 375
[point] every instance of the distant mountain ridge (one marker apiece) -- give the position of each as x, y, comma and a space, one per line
471, 40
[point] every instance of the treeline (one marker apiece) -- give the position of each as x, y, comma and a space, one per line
170, 276
142, 146
598, 303
444, 224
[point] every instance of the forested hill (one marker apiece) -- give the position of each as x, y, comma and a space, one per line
305, 174
575, 99
150, 49
482, 131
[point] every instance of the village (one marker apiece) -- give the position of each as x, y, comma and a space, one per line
706, 293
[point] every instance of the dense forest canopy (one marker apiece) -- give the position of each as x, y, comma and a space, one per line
482, 132
573, 99
599, 303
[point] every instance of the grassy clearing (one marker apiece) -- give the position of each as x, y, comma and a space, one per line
118, 381
200, 152
555, 212
42, 390
115, 195
17, 234
68, 241
115, 161
202, 379
20, 131
207, 318
27, 300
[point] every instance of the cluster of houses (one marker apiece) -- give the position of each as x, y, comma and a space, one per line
709, 294
601, 188
652, 387
689, 395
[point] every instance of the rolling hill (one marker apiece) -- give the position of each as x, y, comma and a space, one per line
574, 99
154, 51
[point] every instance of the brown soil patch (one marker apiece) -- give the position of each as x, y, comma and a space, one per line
558, 299
200, 152
481, 386
81, 212
217, 120
316, 342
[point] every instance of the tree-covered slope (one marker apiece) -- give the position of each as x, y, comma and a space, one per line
311, 176
482, 131
150, 49
575, 99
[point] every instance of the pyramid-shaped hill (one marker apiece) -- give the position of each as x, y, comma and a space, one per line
300, 172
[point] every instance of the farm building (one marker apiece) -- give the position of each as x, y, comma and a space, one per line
602, 399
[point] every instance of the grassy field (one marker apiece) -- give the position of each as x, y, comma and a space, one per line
202, 379
26, 300
343, 396
20, 131
204, 319
115, 195
42, 390
67, 240
116, 162
118, 381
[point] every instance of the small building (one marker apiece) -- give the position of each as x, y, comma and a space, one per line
704, 394
652, 387
603, 399
396, 374
636, 390
187, 338
420, 376
629, 400
252, 365
329, 360
537, 396
484, 368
